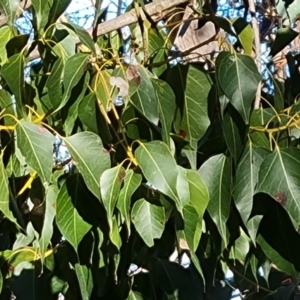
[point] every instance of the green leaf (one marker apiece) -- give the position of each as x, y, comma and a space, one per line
85, 148
24, 239
12, 72
50, 212
4, 193
159, 167
83, 36
89, 114
276, 258
191, 87
279, 177
103, 88
247, 178
245, 34
192, 227
110, 185
284, 36
166, 106
70, 223
9, 9
72, 113
54, 83
73, 71
85, 280
216, 173
6, 103
144, 99
149, 220
278, 95
41, 12
238, 77
57, 9
36, 145
241, 246
131, 182
135, 296
199, 195
252, 226
6, 34
232, 136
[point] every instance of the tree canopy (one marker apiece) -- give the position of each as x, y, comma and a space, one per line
172, 143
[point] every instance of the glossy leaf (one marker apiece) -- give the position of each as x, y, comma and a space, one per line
285, 186
110, 185
216, 173
149, 220
191, 87
284, 36
58, 7
247, 178
12, 72
144, 99
68, 220
275, 257
4, 193
238, 77
85, 280
41, 12
166, 106
73, 71
85, 148
36, 145
159, 168
131, 182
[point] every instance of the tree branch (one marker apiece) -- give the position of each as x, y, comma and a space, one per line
257, 49
157, 10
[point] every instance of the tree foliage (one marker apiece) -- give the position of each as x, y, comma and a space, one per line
185, 166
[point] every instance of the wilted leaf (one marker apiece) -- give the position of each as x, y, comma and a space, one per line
70, 223
149, 220
131, 182
36, 145
159, 167
238, 77
121, 84
85, 148
216, 173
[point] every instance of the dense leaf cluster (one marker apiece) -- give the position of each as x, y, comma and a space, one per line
184, 166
